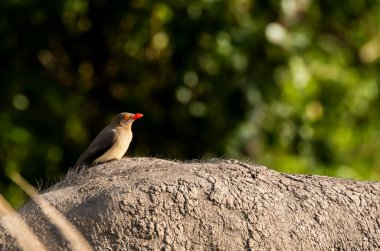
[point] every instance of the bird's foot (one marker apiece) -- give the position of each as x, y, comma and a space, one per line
110, 160
103, 162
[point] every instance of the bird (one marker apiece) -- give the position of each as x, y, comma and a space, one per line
112, 142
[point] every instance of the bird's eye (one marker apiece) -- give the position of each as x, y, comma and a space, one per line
126, 117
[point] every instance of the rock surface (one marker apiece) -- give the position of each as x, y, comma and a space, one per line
155, 204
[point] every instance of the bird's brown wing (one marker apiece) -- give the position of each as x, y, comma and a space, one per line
104, 141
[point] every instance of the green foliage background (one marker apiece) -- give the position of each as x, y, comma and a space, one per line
291, 84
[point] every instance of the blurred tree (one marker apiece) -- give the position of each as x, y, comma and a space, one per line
292, 84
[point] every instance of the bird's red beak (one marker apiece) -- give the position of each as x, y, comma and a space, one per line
137, 116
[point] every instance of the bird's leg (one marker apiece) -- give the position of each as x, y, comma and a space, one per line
113, 159
103, 162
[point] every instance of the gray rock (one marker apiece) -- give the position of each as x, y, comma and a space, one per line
155, 204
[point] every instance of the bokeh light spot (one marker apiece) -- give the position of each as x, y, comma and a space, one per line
20, 102
276, 33
370, 51
163, 12
314, 110
194, 10
198, 109
160, 40
84, 24
190, 78
183, 95
86, 70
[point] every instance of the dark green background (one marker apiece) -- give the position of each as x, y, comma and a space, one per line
291, 84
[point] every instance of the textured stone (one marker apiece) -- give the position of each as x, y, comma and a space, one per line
155, 204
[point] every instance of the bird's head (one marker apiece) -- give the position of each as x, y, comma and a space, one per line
125, 119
